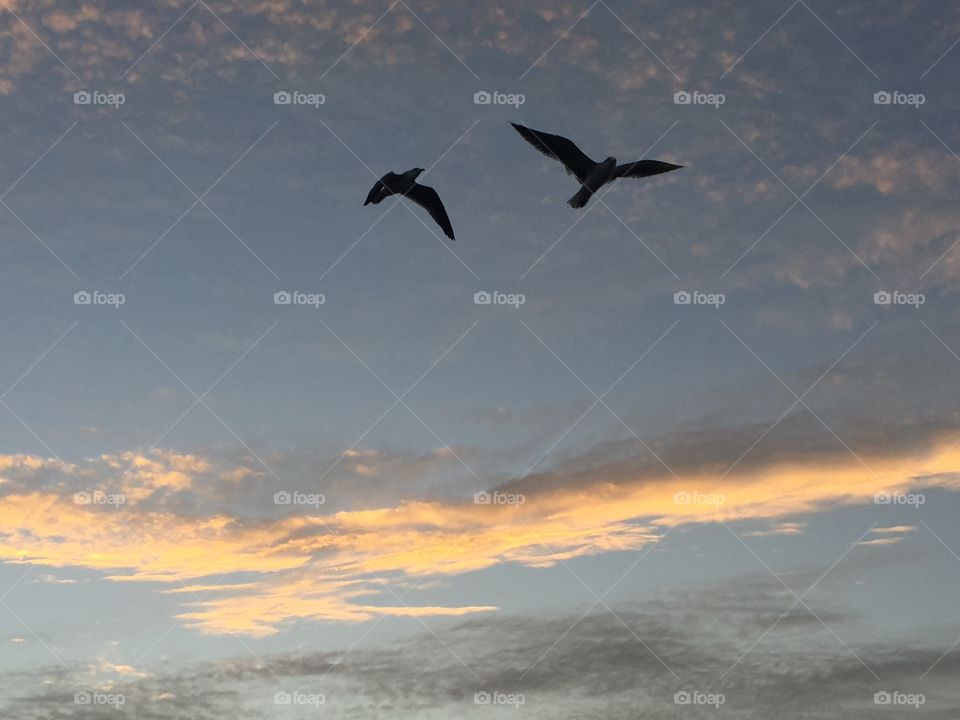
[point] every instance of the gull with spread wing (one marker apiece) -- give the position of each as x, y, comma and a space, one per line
406, 184
591, 174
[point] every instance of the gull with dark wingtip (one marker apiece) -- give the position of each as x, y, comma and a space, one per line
406, 184
591, 174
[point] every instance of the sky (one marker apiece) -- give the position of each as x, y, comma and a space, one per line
700, 459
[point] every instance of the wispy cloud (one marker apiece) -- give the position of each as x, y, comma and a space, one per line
342, 565
596, 665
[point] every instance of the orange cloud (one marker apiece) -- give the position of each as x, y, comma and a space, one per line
344, 566
891, 172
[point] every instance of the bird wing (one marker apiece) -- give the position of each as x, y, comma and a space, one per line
558, 148
427, 198
644, 168
379, 191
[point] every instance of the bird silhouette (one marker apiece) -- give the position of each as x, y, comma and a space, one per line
591, 174
406, 184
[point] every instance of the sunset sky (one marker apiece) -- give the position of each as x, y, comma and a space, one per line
599, 501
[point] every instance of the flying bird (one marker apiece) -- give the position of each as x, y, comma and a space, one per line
406, 184
592, 175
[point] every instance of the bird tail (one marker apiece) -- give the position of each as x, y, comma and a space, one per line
581, 198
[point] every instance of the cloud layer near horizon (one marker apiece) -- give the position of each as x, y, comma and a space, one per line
761, 659
345, 565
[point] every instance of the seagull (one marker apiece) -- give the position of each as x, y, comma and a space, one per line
592, 175
406, 184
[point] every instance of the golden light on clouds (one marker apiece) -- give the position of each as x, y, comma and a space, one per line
343, 566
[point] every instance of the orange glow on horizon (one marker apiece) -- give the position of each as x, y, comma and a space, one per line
322, 567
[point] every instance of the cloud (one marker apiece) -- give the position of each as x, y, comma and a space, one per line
720, 639
100, 44
344, 565
903, 167
49, 579
916, 237
881, 541
784, 528
894, 529
889, 535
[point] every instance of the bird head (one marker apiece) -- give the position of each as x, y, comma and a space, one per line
417, 172
610, 161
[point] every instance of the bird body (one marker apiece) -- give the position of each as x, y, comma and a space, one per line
393, 183
591, 174
406, 184
596, 178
